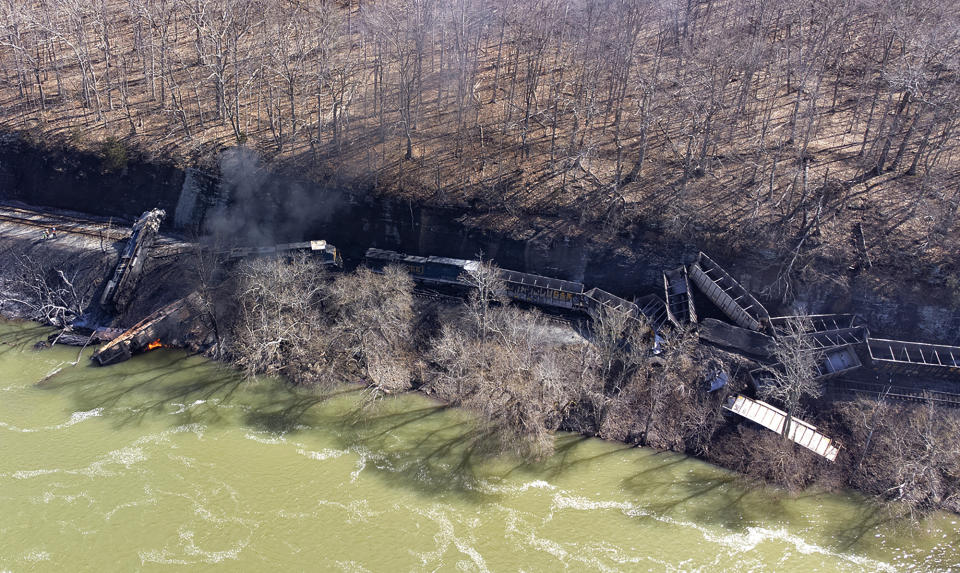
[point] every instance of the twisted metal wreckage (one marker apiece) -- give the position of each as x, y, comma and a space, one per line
841, 340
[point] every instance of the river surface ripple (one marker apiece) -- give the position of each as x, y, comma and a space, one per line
169, 462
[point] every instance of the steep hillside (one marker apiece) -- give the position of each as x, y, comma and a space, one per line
825, 131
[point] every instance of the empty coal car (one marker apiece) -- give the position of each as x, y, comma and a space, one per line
542, 290
526, 287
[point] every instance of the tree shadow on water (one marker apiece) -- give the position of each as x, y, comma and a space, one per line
428, 449
567, 457
701, 494
135, 391
19, 339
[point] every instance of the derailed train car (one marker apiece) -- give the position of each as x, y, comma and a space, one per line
429, 270
527, 287
321, 250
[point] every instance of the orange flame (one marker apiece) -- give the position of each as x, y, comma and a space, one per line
155, 344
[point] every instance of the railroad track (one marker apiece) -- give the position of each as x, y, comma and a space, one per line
434, 295
898, 393
64, 223
62, 216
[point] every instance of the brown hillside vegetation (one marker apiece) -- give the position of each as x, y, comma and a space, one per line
786, 125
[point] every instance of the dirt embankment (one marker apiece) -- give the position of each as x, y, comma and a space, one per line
52, 278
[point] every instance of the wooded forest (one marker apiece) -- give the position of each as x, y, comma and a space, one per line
805, 127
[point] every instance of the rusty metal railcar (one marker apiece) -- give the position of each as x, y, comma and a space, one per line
728, 294
915, 358
525, 287
678, 298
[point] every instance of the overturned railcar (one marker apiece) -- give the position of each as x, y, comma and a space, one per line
825, 331
740, 339
651, 307
833, 363
728, 294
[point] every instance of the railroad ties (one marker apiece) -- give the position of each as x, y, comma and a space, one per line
728, 294
774, 420
678, 298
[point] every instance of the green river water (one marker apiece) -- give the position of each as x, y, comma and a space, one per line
169, 462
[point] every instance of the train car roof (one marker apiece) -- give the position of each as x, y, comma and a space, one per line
395, 256
517, 277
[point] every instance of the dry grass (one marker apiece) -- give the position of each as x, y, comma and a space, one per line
531, 181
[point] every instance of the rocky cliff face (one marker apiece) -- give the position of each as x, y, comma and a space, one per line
247, 203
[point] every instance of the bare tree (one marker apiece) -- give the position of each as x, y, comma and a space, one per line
487, 288
50, 294
280, 324
914, 453
373, 316
621, 341
792, 378
519, 381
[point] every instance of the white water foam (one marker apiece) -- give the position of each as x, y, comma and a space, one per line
268, 438
27, 474
445, 537
363, 454
49, 497
127, 456
36, 556
736, 542
181, 408
150, 501
191, 550
324, 454
485, 486
352, 567
75, 418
